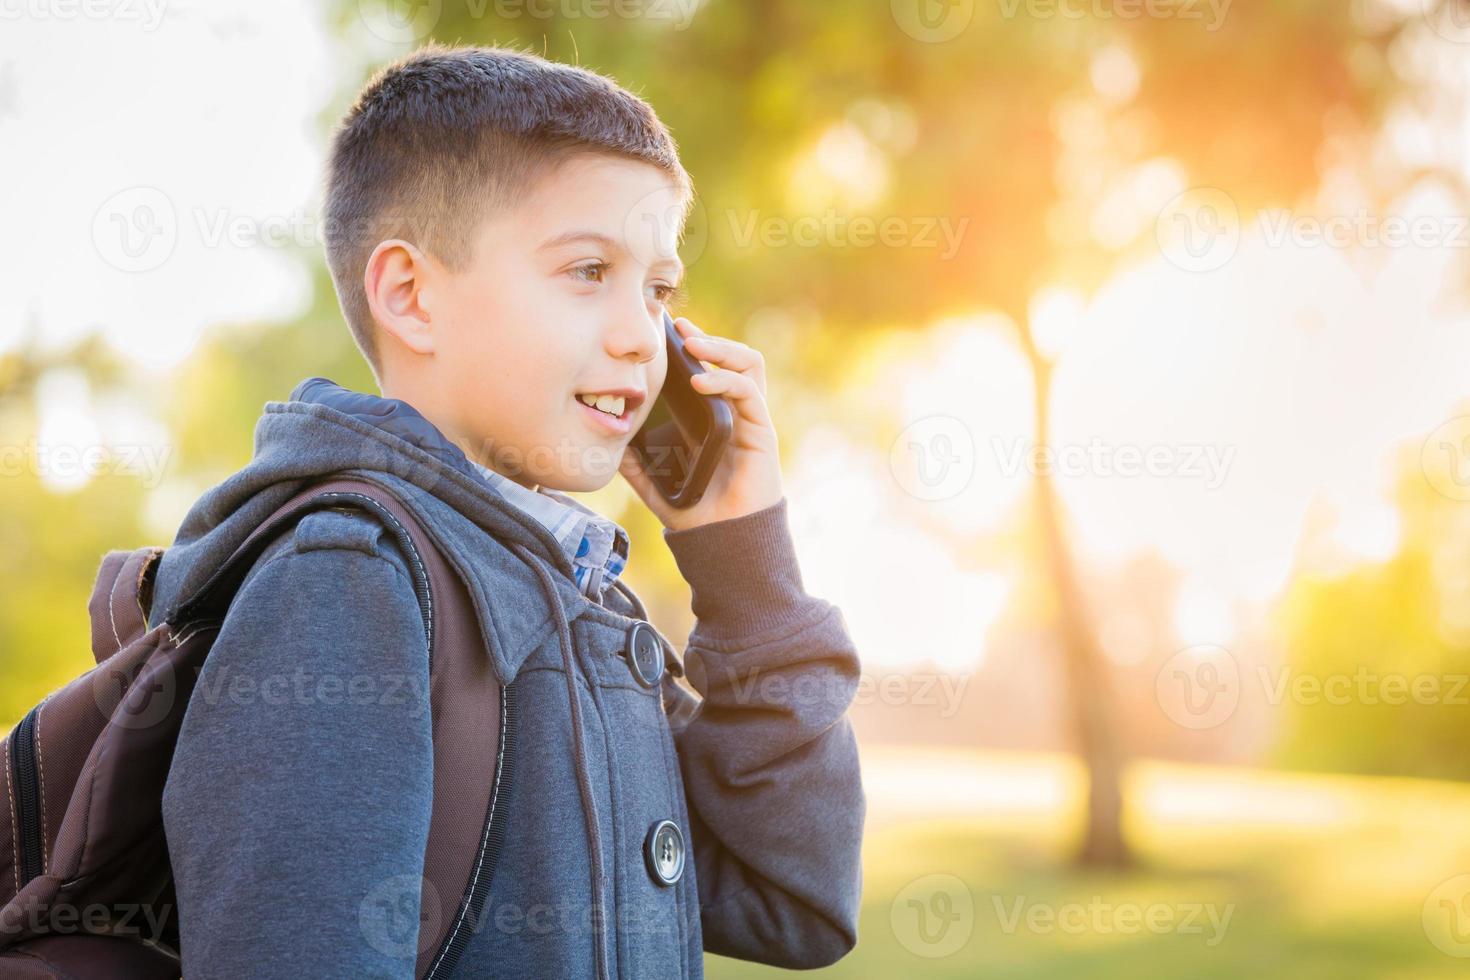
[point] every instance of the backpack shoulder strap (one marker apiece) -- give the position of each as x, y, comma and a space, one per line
120, 599
473, 714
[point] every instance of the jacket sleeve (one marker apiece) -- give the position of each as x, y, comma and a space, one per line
768, 757
298, 800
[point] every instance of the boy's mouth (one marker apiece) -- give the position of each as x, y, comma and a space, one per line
614, 408
619, 403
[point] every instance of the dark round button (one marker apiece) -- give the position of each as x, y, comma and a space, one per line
663, 849
645, 653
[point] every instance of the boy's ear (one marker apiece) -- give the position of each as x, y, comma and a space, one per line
395, 282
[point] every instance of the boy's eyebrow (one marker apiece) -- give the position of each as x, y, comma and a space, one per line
612, 245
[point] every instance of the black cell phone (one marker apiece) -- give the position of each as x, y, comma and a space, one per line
686, 431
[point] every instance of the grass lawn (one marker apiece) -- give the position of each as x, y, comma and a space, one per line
1242, 873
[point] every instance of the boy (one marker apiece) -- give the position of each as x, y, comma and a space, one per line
499, 237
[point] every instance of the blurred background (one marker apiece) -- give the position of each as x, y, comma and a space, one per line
1120, 352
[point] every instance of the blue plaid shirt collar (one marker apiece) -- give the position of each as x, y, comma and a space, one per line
596, 546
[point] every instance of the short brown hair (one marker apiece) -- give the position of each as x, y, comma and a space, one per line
439, 139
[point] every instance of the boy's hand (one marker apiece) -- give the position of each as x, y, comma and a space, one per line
748, 477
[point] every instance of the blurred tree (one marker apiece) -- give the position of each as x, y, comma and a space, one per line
1041, 136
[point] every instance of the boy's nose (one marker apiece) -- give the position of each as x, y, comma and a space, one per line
638, 335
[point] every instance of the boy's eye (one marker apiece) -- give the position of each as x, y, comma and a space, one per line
599, 267
667, 295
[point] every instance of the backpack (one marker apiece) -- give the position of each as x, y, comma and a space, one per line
86, 889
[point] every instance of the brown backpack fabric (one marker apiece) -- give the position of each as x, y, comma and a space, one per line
85, 884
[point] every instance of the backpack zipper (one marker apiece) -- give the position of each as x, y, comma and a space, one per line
28, 798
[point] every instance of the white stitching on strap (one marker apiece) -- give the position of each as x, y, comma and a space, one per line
41, 765
385, 512
480, 858
14, 821
112, 607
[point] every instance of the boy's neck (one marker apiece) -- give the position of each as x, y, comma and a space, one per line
441, 419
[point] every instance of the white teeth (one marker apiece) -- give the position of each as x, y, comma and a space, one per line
611, 404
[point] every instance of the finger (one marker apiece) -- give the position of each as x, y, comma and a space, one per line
632, 469
729, 354
740, 389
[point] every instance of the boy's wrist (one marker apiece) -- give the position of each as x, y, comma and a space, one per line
743, 573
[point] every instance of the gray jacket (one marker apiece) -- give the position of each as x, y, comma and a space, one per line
298, 800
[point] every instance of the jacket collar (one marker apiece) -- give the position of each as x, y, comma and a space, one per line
298, 442
597, 546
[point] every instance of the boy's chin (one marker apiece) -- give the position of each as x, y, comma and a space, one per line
583, 482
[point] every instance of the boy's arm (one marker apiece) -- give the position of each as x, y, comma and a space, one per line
769, 760
298, 801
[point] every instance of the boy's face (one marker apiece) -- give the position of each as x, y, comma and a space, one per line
563, 297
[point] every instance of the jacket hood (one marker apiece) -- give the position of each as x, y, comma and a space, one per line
302, 441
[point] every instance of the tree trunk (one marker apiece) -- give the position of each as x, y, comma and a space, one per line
1089, 693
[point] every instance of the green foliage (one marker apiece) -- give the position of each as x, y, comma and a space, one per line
1379, 655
